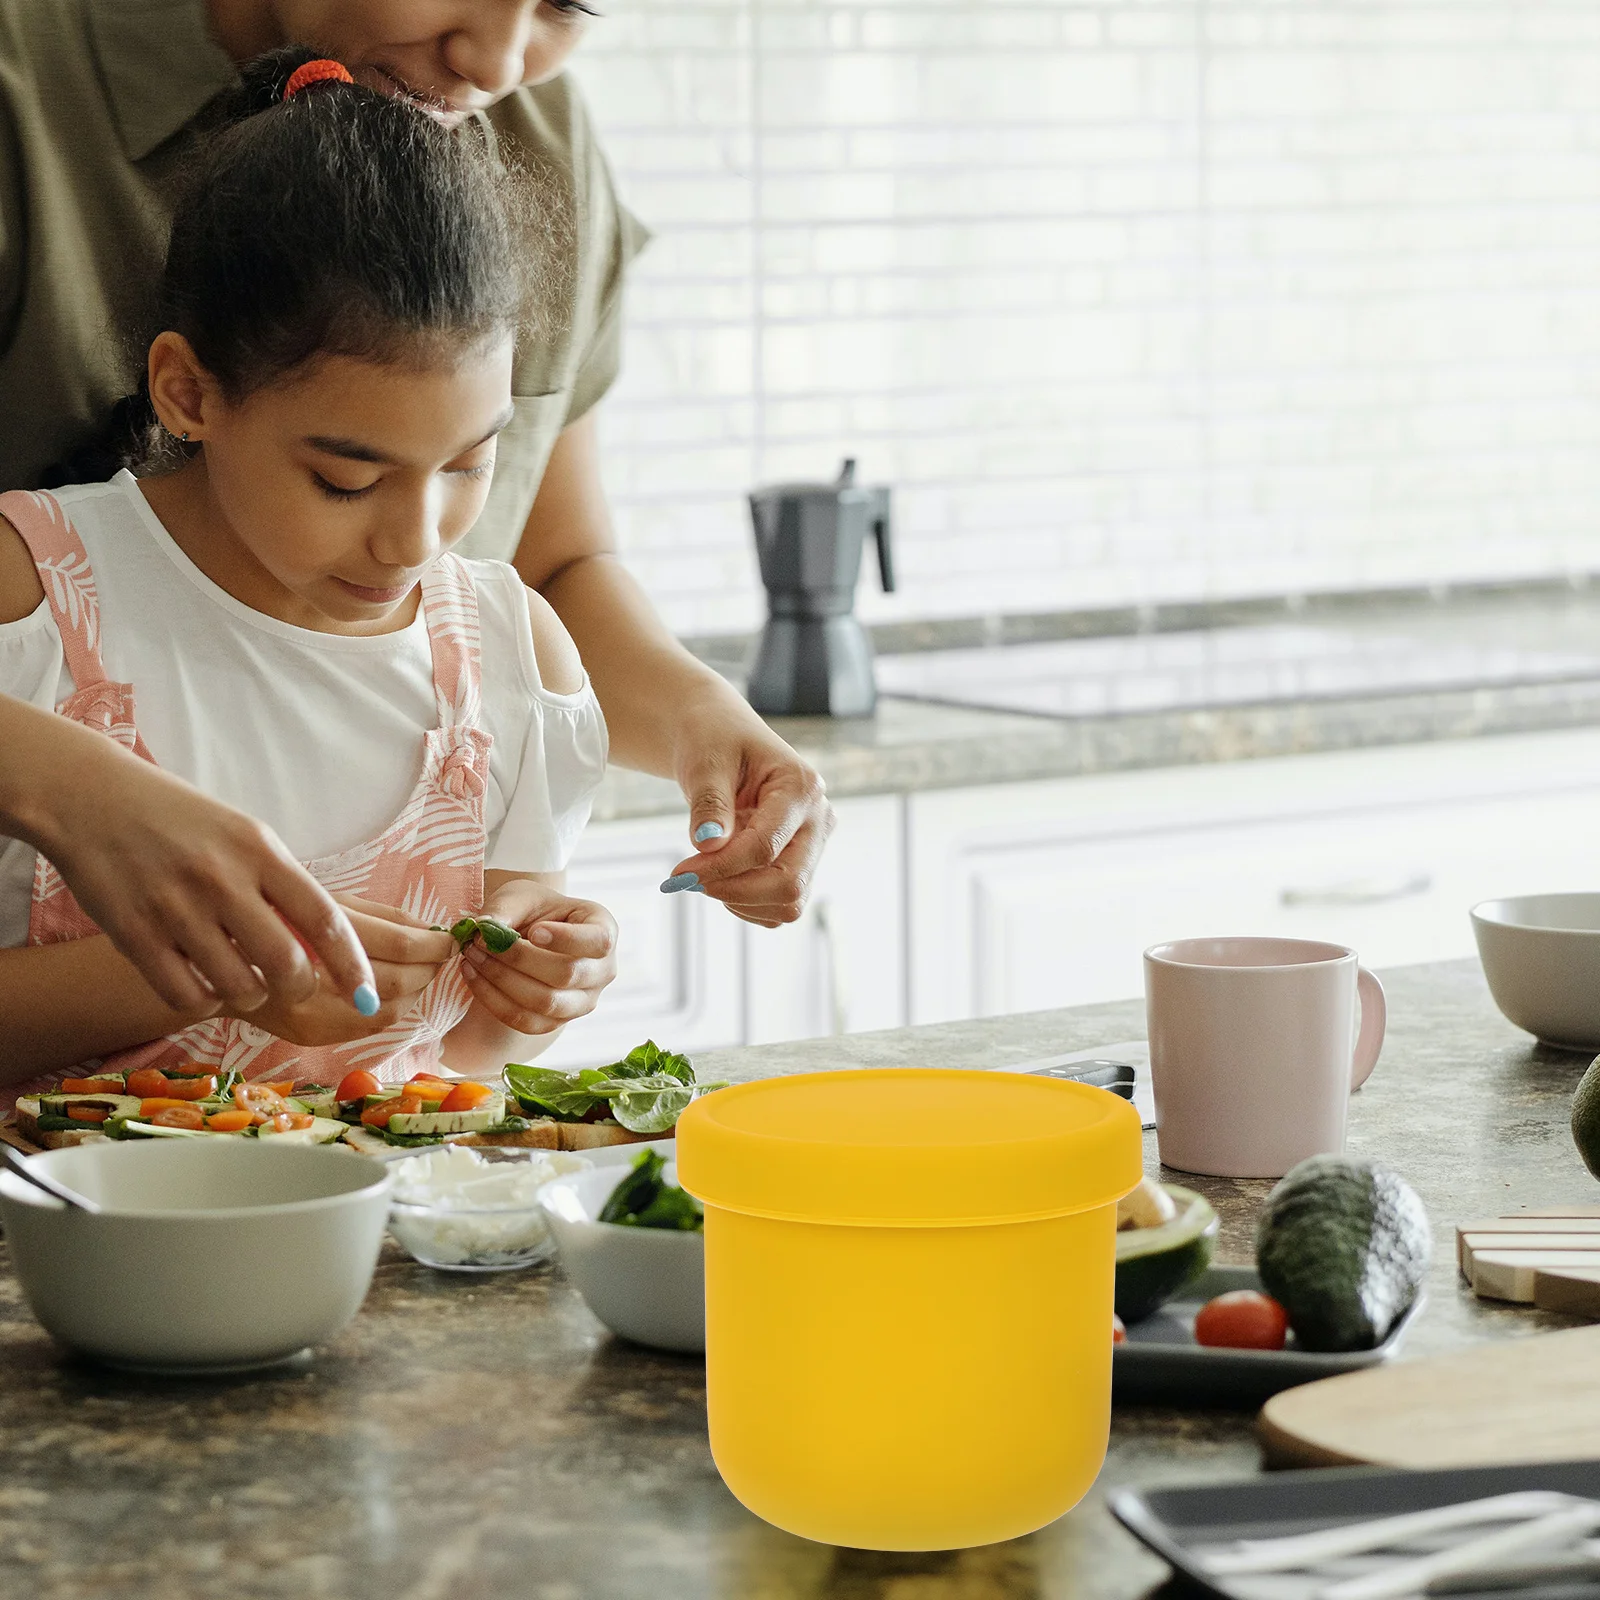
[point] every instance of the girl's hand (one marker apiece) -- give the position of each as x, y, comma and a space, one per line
406, 956
205, 902
765, 817
555, 971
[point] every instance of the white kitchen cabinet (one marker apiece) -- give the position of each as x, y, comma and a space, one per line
1026, 896
680, 958
841, 968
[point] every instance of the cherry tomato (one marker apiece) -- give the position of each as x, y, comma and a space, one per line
277, 1088
91, 1086
289, 1121
190, 1088
1119, 1334
229, 1121
426, 1088
465, 1096
147, 1082
88, 1113
357, 1085
260, 1101
160, 1102
378, 1116
181, 1115
1242, 1320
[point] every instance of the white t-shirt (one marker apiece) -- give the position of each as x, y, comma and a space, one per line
319, 735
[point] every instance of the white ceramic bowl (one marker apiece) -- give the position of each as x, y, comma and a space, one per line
210, 1255
1541, 955
648, 1284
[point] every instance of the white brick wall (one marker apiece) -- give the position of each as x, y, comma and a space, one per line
1139, 300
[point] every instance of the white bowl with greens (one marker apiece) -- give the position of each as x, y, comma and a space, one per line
644, 1274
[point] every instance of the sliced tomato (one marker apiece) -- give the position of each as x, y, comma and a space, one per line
289, 1121
426, 1088
160, 1102
91, 1086
235, 1121
1242, 1319
88, 1113
357, 1085
179, 1115
259, 1100
190, 1088
286, 1087
147, 1082
464, 1096
378, 1116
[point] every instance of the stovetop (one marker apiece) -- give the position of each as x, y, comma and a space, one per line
1256, 664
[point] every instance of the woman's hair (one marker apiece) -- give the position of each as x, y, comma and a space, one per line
340, 222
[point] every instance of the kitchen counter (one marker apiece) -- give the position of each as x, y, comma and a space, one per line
920, 744
476, 1437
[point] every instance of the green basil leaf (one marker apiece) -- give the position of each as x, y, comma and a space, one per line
552, 1091
496, 935
462, 932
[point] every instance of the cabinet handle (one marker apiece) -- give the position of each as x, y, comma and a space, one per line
1358, 891
838, 1011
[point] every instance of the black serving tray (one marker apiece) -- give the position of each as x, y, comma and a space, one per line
1162, 1365
1176, 1523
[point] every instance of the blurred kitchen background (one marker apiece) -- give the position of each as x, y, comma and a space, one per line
1234, 367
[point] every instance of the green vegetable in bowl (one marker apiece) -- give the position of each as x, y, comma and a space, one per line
644, 1199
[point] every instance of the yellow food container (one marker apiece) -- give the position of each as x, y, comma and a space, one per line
909, 1281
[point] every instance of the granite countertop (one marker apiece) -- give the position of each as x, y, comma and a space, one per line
911, 745
469, 1438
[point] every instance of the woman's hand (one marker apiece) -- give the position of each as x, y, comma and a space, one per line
406, 956
556, 970
205, 902
760, 816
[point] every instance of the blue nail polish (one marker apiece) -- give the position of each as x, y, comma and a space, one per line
365, 1000
707, 830
697, 888
682, 880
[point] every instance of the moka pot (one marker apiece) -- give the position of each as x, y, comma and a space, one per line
814, 658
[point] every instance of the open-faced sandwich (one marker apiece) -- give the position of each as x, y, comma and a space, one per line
637, 1098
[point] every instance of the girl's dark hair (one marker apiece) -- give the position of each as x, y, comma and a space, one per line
342, 221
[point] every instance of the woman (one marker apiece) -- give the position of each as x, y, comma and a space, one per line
101, 100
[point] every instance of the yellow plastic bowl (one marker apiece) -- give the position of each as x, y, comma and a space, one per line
909, 1279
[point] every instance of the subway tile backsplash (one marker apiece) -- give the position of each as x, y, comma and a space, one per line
1131, 302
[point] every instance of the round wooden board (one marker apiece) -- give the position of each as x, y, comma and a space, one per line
1514, 1400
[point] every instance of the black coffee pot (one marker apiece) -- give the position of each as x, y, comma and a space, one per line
814, 658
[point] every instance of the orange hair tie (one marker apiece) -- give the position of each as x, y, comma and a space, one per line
316, 72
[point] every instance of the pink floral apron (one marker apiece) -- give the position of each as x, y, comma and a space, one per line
428, 861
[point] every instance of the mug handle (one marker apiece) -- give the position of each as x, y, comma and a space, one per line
1374, 1014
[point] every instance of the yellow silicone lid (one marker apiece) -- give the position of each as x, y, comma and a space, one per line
918, 1146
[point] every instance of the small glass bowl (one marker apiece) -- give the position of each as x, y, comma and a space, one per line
459, 1238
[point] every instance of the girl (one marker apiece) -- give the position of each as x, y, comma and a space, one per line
279, 618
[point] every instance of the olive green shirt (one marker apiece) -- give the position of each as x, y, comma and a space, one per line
98, 105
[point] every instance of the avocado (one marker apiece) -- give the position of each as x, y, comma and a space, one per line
1342, 1244
478, 1120
323, 1130
1586, 1117
1153, 1264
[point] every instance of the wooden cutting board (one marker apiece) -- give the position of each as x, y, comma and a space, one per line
1515, 1400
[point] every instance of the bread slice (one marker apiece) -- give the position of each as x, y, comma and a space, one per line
541, 1135
592, 1135
24, 1131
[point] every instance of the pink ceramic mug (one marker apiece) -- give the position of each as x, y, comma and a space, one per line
1250, 1050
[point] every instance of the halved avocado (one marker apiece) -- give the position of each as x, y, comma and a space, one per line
1153, 1264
